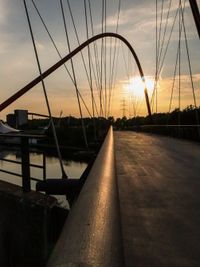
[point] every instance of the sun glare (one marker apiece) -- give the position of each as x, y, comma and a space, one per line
135, 86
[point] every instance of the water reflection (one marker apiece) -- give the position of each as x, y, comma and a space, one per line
72, 168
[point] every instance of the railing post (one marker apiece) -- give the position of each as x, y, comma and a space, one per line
44, 166
26, 183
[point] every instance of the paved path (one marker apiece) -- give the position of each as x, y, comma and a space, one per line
159, 189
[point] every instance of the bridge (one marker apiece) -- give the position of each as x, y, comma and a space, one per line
137, 203
144, 214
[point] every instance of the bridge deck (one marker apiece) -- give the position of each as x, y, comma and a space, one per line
159, 190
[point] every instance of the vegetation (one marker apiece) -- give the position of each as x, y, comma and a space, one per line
182, 124
70, 132
188, 116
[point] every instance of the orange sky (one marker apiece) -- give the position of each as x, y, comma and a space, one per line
137, 24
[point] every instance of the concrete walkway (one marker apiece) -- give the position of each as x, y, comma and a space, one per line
159, 190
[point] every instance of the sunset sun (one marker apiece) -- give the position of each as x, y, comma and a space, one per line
135, 86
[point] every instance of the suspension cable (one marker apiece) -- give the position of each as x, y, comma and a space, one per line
160, 27
59, 54
109, 82
97, 74
189, 61
173, 81
105, 55
168, 42
156, 74
125, 62
89, 57
95, 46
165, 53
159, 48
113, 80
91, 68
165, 30
74, 75
127, 70
190, 70
46, 73
101, 62
159, 53
115, 75
90, 72
45, 93
116, 30
179, 64
83, 60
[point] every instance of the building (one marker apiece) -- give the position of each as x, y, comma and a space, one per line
19, 119
11, 120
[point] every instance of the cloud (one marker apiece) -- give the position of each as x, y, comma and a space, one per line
4, 44
128, 16
3, 11
165, 89
142, 19
39, 45
137, 24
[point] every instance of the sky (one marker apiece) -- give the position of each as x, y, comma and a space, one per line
137, 23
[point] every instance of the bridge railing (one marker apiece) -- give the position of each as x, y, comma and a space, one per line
91, 235
191, 132
25, 160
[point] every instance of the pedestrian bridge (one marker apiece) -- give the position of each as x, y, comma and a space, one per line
138, 207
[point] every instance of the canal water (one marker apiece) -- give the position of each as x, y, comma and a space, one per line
73, 169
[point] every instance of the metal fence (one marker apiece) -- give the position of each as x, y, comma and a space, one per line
25, 160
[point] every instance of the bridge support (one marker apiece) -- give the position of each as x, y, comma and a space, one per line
196, 15
26, 181
147, 102
45, 74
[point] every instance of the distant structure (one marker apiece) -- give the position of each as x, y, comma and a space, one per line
11, 120
19, 119
123, 105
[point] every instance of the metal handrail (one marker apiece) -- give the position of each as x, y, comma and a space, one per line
19, 175
19, 162
91, 235
11, 173
187, 131
25, 162
168, 125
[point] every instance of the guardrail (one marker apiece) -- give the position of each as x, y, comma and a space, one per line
191, 132
91, 235
25, 161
